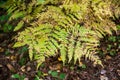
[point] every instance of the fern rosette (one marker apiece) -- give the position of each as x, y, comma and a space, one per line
69, 28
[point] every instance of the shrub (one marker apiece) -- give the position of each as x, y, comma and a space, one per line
66, 27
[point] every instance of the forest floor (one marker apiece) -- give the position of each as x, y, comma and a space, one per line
15, 65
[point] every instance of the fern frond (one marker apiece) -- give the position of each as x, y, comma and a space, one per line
19, 25
63, 52
54, 27
71, 49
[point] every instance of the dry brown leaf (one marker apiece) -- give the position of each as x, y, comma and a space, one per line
108, 57
28, 68
103, 77
1, 65
56, 67
1, 49
11, 68
23, 68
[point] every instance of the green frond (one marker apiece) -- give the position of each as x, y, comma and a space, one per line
16, 15
71, 49
70, 28
78, 52
19, 25
31, 52
63, 52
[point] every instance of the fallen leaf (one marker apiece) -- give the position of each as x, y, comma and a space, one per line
108, 57
11, 68
56, 67
1, 65
13, 57
45, 74
1, 49
23, 68
28, 68
103, 77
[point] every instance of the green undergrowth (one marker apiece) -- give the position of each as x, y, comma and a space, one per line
110, 44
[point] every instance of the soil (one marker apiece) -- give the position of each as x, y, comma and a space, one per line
10, 64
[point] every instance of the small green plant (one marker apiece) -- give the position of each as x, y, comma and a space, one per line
112, 52
112, 38
5, 26
83, 66
62, 76
4, 17
23, 50
57, 75
38, 75
22, 61
23, 57
7, 52
19, 77
118, 27
111, 49
53, 73
37, 78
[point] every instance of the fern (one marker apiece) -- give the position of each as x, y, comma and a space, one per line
66, 27
46, 41
19, 10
